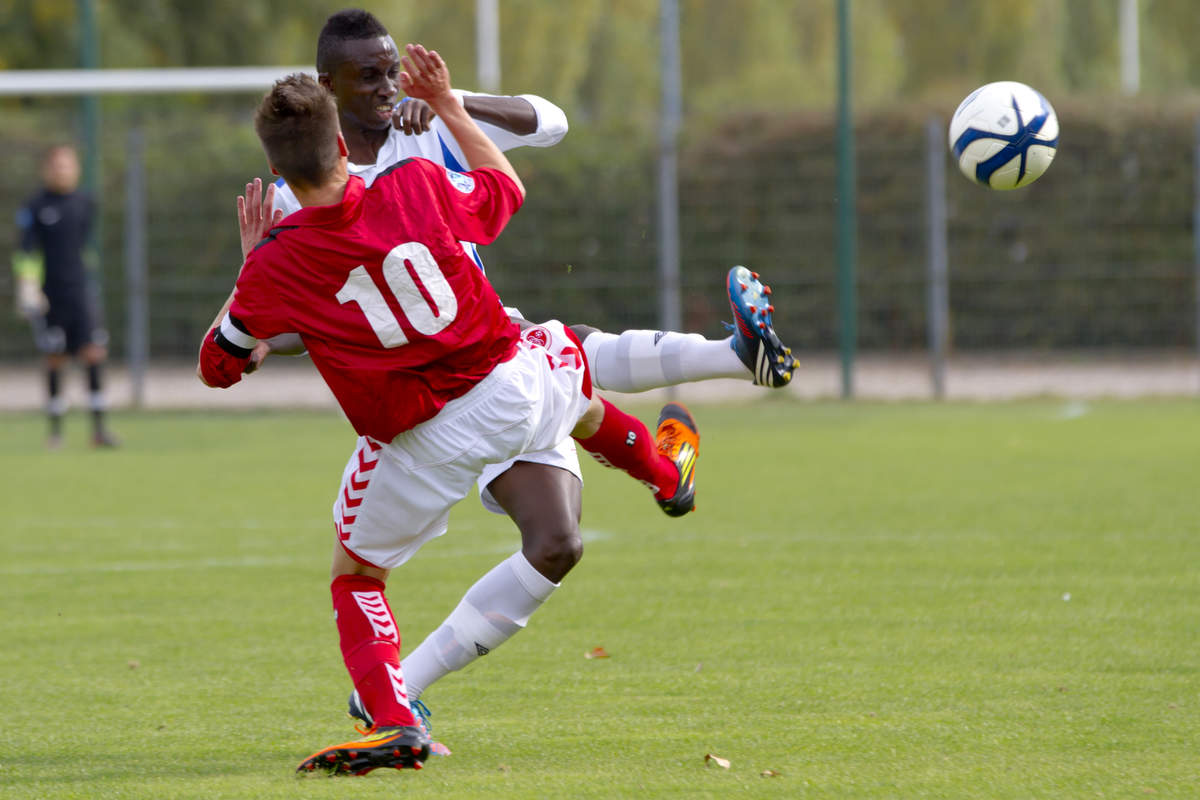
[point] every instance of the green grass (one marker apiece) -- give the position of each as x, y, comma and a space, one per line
872, 601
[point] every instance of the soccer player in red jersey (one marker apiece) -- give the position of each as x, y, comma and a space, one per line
431, 372
540, 491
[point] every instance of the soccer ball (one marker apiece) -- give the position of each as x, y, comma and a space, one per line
1004, 135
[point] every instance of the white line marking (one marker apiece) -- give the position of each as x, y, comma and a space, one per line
247, 562
1074, 410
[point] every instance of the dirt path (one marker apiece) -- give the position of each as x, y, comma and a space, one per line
877, 377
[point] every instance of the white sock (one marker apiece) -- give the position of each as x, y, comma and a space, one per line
634, 361
495, 608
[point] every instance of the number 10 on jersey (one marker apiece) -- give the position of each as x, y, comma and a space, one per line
421, 290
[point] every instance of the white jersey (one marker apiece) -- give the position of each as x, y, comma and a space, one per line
439, 146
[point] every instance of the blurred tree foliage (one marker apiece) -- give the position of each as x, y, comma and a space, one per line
598, 58
756, 166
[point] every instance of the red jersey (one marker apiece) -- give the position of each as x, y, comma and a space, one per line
396, 316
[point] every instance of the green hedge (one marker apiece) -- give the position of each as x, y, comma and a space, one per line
1098, 253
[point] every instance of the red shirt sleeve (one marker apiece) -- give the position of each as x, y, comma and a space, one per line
220, 367
253, 315
477, 204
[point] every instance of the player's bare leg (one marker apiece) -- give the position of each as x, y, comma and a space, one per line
545, 504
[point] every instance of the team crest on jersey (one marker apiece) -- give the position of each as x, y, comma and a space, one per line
537, 336
464, 183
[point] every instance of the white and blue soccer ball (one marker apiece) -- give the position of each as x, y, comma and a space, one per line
1004, 135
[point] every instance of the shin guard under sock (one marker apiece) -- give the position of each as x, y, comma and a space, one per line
370, 644
624, 442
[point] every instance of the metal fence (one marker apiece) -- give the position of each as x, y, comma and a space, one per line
1100, 253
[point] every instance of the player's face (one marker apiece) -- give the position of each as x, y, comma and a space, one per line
364, 82
60, 173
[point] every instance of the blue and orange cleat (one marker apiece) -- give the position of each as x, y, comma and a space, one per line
678, 440
400, 747
754, 340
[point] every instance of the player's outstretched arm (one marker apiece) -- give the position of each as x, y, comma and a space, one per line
515, 115
426, 77
525, 120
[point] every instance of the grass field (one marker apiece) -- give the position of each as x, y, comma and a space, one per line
903, 601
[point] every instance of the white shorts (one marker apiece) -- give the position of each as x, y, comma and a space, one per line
563, 455
395, 497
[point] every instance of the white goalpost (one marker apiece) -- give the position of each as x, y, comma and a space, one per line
59, 82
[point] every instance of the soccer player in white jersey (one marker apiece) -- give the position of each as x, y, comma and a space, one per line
632, 361
358, 62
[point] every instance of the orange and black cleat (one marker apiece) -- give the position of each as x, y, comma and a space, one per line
401, 747
678, 440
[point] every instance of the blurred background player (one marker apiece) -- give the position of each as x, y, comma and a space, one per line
55, 290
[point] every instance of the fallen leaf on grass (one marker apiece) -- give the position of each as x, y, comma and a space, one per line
596, 652
723, 763
770, 773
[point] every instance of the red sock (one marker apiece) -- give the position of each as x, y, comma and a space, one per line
371, 648
625, 443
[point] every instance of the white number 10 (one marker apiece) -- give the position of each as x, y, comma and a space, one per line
426, 316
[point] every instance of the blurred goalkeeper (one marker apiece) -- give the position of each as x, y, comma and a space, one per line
54, 289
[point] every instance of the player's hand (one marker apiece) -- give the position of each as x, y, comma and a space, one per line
412, 116
258, 355
256, 214
425, 75
31, 301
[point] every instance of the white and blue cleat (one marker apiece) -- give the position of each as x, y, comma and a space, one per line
754, 339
